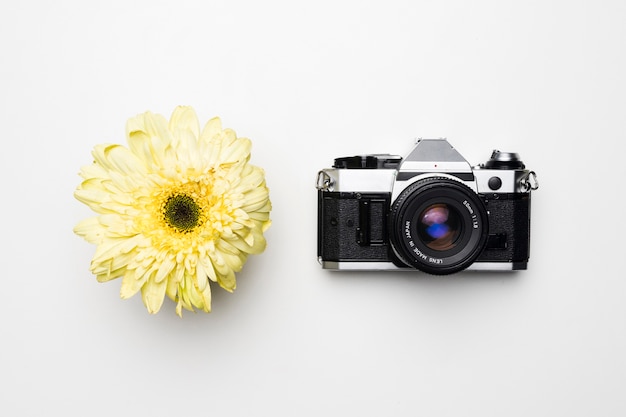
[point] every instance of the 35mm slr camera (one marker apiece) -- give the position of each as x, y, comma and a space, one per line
430, 211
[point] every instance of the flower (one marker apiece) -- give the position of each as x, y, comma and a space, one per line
176, 209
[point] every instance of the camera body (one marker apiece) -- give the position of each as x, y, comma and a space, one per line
430, 210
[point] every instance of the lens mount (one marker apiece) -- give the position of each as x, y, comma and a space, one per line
438, 225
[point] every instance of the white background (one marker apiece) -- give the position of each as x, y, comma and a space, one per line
308, 82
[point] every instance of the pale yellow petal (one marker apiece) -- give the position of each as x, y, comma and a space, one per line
91, 230
206, 299
207, 266
114, 247
93, 171
188, 152
148, 137
201, 277
212, 128
110, 275
185, 118
131, 283
165, 268
192, 293
238, 151
255, 200
261, 216
117, 158
172, 289
113, 267
227, 280
91, 193
153, 294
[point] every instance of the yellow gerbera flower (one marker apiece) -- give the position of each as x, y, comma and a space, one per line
177, 208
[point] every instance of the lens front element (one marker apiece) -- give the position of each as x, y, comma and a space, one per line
439, 227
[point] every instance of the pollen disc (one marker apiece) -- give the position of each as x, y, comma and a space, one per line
181, 212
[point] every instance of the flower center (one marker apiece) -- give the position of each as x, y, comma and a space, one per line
181, 212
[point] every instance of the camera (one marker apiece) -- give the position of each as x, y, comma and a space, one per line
430, 210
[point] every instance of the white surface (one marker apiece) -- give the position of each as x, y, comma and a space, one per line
308, 82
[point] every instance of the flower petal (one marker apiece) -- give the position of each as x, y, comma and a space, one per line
227, 280
212, 128
153, 294
131, 283
206, 299
166, 267
117, 158
148, 138
185, 118
91, 230
111, 248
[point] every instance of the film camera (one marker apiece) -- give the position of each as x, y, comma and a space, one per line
430, 211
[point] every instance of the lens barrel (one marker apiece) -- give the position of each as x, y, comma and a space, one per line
438, 225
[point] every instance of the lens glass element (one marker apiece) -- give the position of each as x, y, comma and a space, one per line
439, 227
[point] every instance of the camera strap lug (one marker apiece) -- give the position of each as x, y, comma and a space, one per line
324, 181
529, 182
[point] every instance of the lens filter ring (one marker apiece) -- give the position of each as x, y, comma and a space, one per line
438, 225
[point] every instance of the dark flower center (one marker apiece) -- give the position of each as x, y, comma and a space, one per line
181, 212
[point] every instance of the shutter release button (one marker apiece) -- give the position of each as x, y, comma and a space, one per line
494, 183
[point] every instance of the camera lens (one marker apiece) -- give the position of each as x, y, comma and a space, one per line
438, 225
